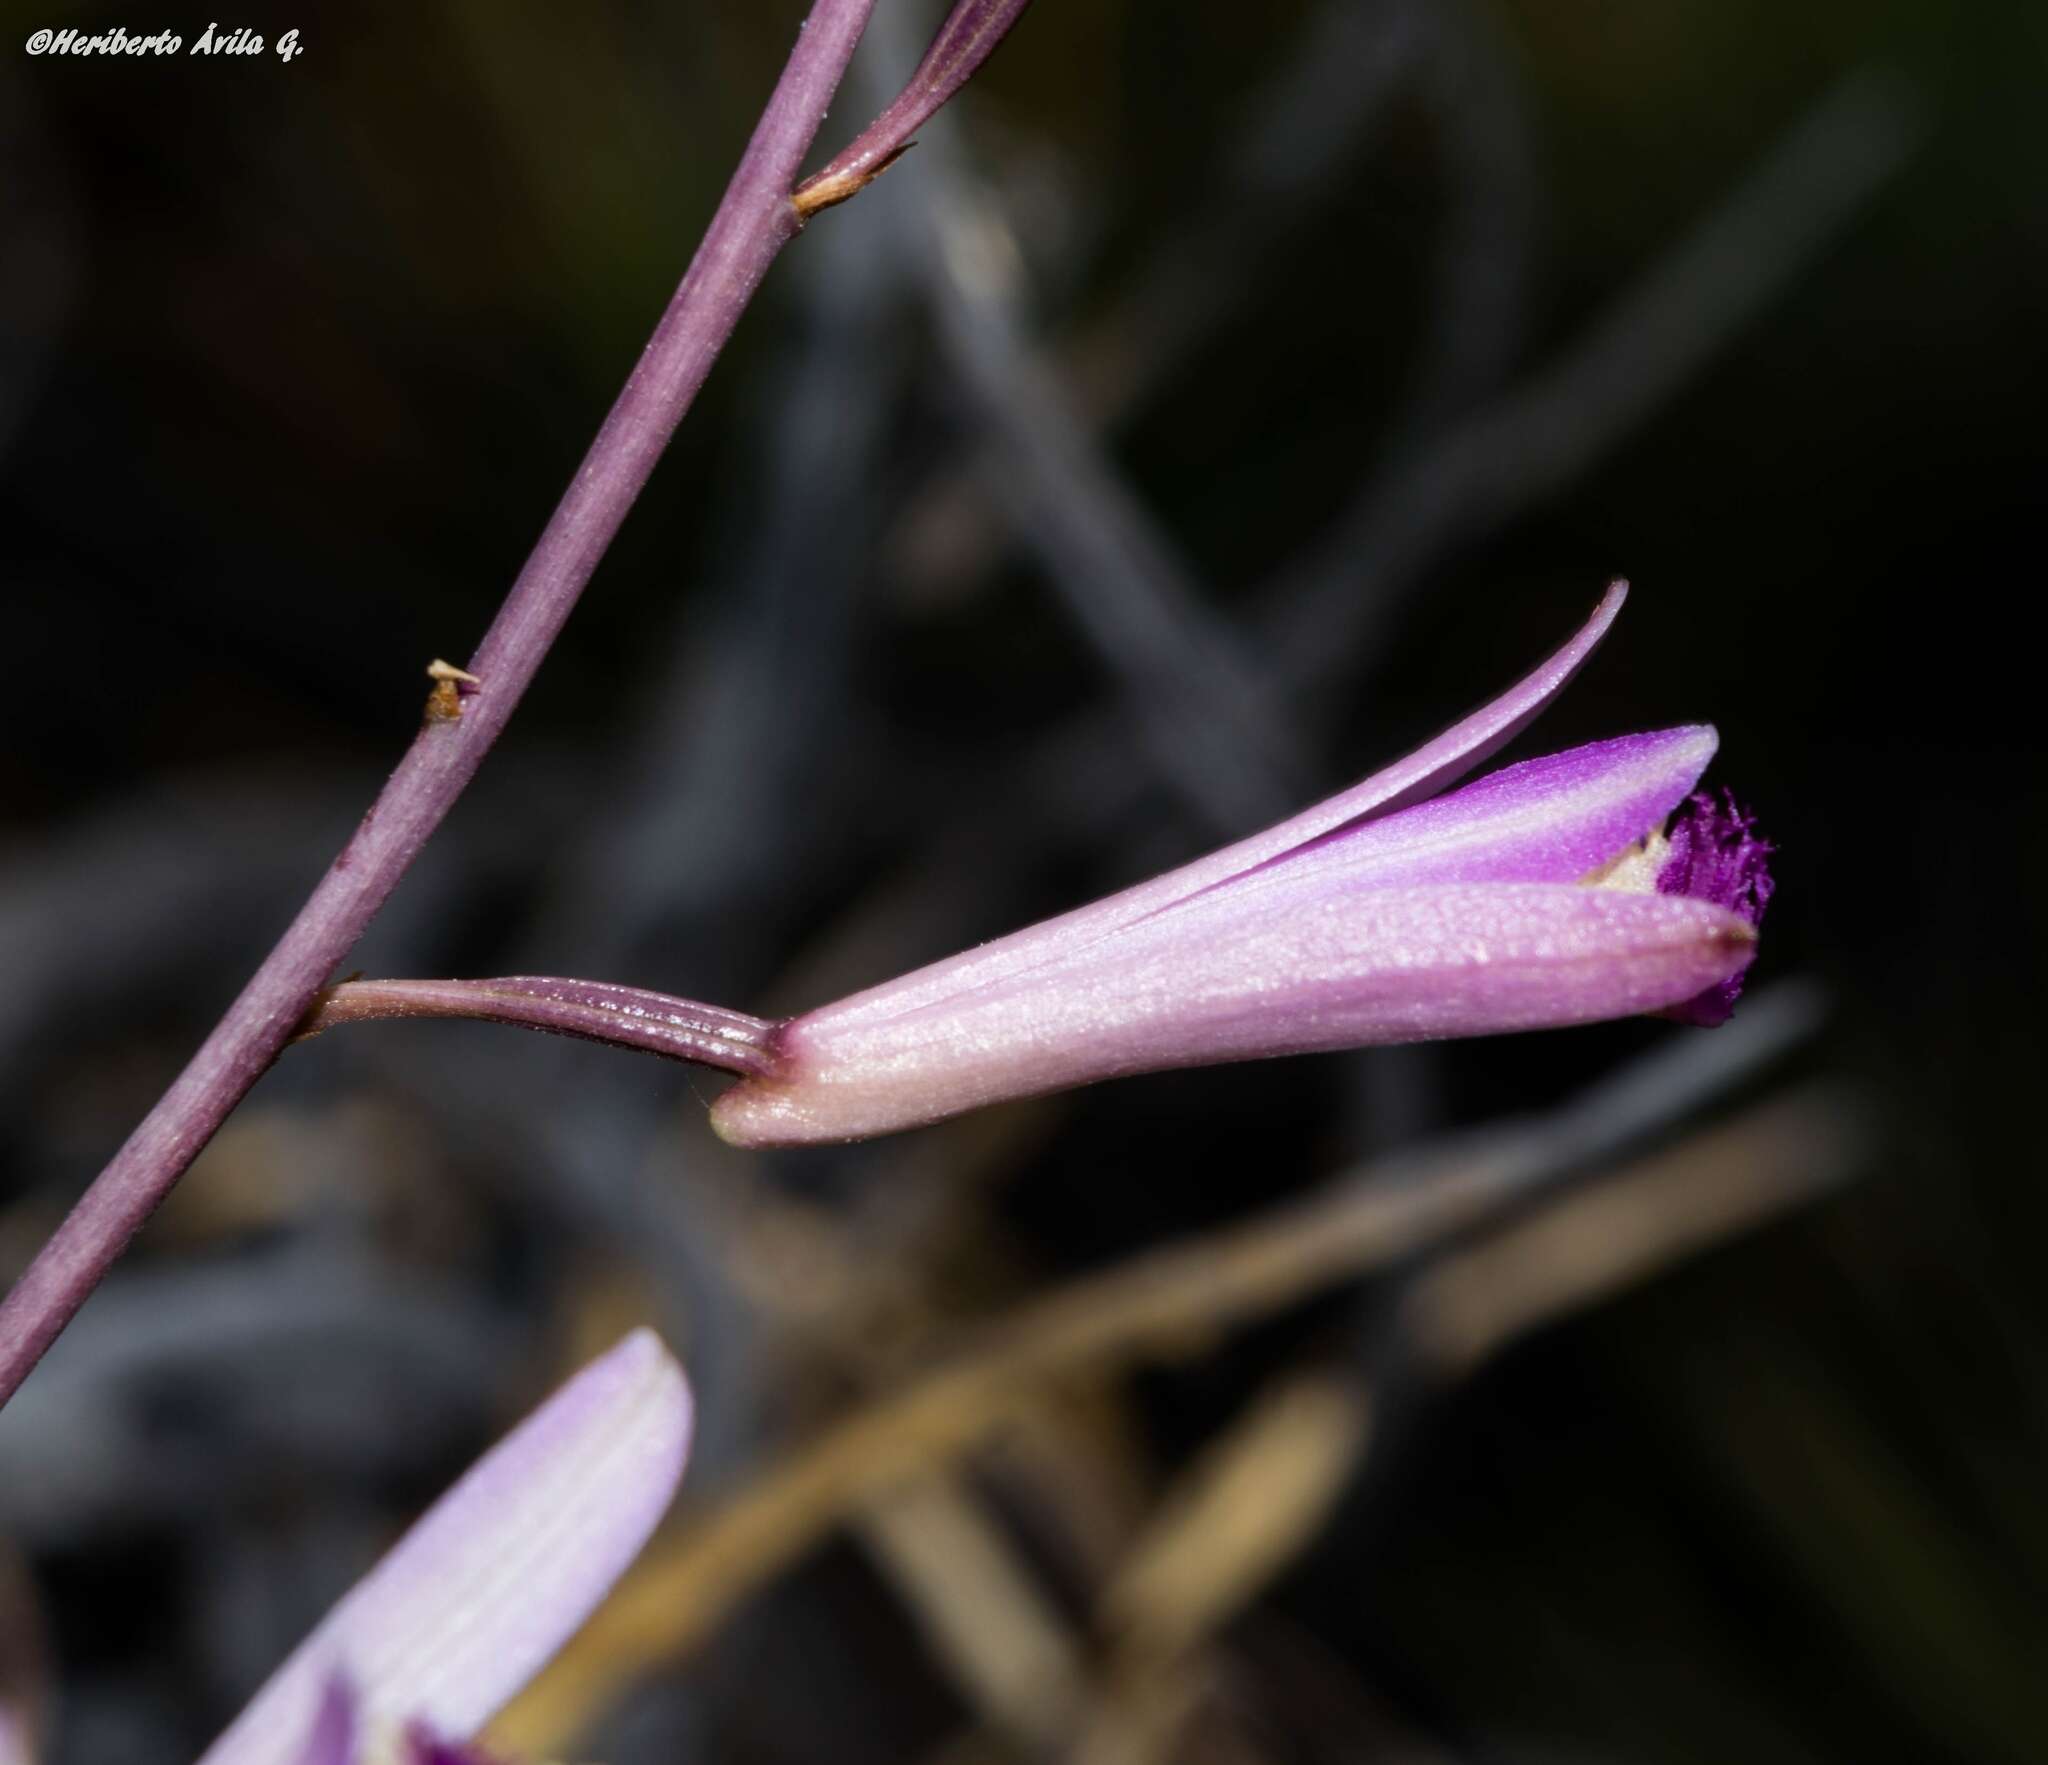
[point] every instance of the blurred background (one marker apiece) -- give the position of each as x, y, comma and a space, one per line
1218, 401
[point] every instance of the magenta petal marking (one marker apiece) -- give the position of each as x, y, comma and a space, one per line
1420, 775
1717, 855
333, 1739
497, 1575
1332, 967
424, 1747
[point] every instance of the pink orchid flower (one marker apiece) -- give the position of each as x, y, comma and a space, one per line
1545, 894
477, 1597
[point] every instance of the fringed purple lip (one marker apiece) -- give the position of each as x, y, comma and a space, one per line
1715, 854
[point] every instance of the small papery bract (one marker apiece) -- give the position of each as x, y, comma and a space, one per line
489, 1583
1395, 911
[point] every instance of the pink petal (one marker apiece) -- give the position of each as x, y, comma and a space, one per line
499, 1573
1320, 966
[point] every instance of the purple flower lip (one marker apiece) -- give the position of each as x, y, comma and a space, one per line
1542, 895
1714, 853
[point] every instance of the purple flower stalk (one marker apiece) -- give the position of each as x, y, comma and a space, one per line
1543, 895
488, 1585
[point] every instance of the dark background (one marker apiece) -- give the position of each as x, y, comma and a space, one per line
1222, 400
